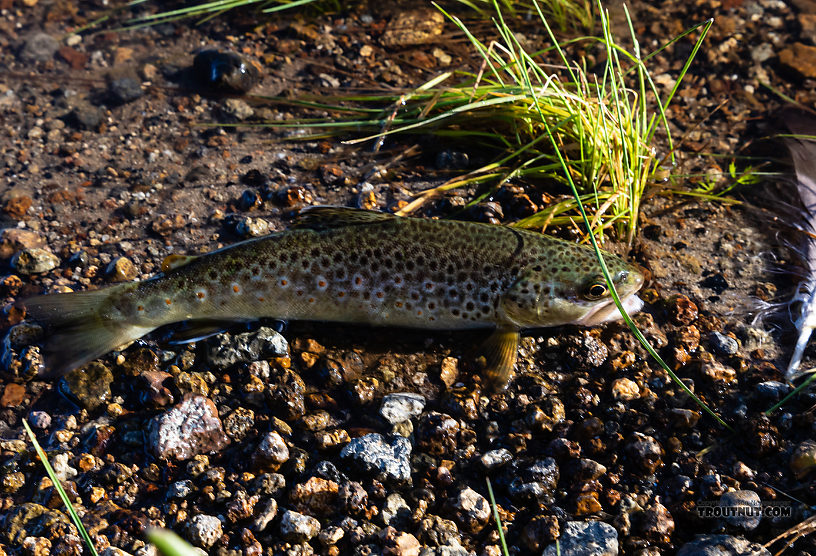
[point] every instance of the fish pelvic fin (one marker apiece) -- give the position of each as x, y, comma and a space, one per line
77, 330
499, 355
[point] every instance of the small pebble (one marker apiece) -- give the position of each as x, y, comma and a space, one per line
585, 538
16, 239
723, 345
625, 390
533, 482
645, 451
449, 372
264, 516
252, 227
772, 390
180, 489
38, 47
803, 459
238, 109
121, 269
34, 261
204, 530
91, 385
86, 116
402, 406
395, 511
297, 527
496, 458
388, 458
226, 350
192, 427
272, 450
39, 420
718, 545
122, 90
471, 510
747, 507
657, 524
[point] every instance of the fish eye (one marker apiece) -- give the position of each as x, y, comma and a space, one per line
596, 289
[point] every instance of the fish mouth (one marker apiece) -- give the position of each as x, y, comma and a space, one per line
609, 312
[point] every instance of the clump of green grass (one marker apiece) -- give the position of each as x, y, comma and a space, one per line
564, 15
604, 125
567, 15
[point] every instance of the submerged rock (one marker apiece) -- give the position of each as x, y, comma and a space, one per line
34, 261
90, 384
225, 71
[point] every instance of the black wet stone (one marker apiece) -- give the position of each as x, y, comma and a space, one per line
715, 282
722, 344
533, 482
85, 116
255, 178
124, 89
249, 199
224, 71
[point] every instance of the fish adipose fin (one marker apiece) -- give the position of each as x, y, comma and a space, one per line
499, 354
328, 218
76, 330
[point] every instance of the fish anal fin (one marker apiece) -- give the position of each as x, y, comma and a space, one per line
176, 261
200, 329
329, 217
498, 357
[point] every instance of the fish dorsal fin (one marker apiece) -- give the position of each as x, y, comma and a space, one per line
175, 261
327, 217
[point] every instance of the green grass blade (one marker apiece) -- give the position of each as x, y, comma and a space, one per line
795, 391
170, 544
496, 516
63, 496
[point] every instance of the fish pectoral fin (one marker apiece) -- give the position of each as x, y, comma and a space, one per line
498, 357
328, 217
175, 261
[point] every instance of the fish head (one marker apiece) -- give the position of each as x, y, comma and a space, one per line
572, 293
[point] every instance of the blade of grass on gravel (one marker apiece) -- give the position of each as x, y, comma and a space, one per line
63, 496
170, 544
495, 507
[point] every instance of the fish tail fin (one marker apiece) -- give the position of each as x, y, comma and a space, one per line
77, 328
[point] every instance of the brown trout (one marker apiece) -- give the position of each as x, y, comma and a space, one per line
355, 266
